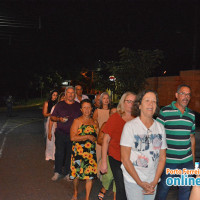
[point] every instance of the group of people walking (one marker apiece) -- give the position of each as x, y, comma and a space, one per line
128, 146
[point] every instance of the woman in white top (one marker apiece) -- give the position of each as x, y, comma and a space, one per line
143, 149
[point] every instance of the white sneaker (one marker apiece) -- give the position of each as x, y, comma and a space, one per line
56, 176
67, 178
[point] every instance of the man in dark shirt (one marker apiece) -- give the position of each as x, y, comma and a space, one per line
64, 114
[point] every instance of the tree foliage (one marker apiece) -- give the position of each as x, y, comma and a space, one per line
43, 84
130, 71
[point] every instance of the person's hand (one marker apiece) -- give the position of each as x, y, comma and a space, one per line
153, 184
148, 188
103, 167
62, 119
49, 136
91, 138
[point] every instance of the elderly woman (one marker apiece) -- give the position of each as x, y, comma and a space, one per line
101, 114
143, 149
83, 133
111, 141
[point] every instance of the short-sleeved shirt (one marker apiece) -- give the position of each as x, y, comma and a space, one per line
62, 109
113, 128
145, 148
178, 128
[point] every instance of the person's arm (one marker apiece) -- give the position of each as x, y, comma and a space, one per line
104, 151
56, 119
74, 136
96, 126
95, 115
50, 125
45, 110
161, 165
192, 136
101, 135
195, 193
125, 158
55, 115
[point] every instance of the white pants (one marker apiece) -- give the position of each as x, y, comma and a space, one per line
134, 192
50, 145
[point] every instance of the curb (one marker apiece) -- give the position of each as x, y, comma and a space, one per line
3, 109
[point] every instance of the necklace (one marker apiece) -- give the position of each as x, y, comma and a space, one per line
86, 120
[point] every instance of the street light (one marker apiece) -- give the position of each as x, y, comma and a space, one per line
113, 79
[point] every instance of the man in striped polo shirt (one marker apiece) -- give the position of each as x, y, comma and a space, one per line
179, 123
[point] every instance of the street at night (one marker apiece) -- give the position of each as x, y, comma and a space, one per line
25, 175
137, 54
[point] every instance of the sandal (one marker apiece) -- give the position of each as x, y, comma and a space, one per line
101, 195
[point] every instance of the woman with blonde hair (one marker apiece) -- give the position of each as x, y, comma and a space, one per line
111, 141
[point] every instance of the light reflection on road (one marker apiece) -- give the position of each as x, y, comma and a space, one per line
11, 124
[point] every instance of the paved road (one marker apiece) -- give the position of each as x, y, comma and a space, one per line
24, 173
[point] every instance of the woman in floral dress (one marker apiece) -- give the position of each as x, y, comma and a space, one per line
83, 134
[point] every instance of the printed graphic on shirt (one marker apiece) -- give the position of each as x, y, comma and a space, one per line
148, 147
141, 142
141, 161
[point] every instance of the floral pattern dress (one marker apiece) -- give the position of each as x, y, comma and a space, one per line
83, 158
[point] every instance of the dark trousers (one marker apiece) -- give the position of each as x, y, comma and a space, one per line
163, 188
115, 166
63, 153
9, 111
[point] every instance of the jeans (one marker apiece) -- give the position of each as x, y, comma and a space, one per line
163, 188
63, 153
115, 166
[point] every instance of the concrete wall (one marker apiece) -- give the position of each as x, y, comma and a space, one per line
166, 87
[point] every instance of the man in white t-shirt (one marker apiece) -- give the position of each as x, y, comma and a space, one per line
79, 96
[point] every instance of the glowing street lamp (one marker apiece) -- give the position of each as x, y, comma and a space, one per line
112, 78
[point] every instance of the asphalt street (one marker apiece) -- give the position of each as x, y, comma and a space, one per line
24, 173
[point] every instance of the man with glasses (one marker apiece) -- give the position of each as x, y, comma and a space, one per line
179, 123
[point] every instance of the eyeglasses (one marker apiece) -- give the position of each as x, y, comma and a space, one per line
129, 101
185, 94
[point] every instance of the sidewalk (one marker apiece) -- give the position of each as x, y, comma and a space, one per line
16, 107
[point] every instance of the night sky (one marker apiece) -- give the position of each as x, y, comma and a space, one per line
70, 35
